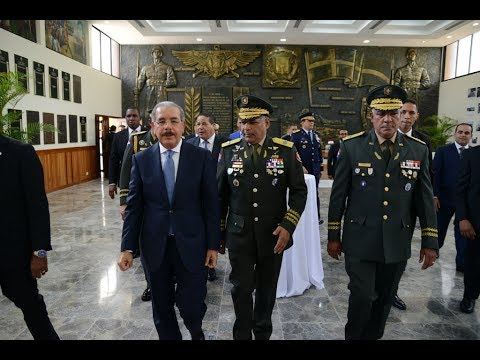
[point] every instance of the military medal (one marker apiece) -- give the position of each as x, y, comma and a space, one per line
142, 142
408, 186
274, 181
370, 171
280, 171
229, 171
357, 171
236, 182
363, 183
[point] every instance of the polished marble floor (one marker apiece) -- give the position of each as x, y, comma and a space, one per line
88, 297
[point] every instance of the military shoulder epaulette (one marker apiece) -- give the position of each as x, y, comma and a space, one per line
283, 142
231, 142
139, 133
295, 131
354, 136
416, 139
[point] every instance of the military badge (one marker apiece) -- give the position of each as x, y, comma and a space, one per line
370, 171
274, 181
229, 171
408, 186
357, 171
363, 183
236, 182
142, 142
280, 171
415, 174
364, 165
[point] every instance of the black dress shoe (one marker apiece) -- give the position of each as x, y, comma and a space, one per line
198, 336
467, 305
147, 294
320, 221
398, 303
460, 269
212, 274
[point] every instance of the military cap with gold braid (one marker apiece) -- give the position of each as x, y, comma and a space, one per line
251, 107
306, 116
386, 97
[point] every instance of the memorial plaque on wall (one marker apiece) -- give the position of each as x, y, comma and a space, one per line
18, 116
62, 129
66, 85
33, 117
39, 70
77, 89
83, 128
3, 61
73, 128
218, 101
48, 137
53, 74
21, 66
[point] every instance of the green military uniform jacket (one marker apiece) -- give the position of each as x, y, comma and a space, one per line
255, 198
379, 204
138, 141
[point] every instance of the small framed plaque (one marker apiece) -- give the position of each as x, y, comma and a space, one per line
77, 89
39, 71
4, 61
73, 128
21, 66
53, 74
66, 85
83, 128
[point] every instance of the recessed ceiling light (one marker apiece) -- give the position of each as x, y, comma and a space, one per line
199, 39
424, 41
283, 40
475, 24
449, 36
366, 41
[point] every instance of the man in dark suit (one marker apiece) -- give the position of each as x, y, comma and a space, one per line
172, 214
381, 177
408, 116
468, 215
445, 168
25, 239
333, 153
207, 139
139, 141
117, 149
253, 175
307, 142
237, 134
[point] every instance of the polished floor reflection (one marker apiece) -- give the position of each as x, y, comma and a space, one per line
88, 297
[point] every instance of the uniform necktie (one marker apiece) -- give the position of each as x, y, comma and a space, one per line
255, 153
386, 151
460, 151
169, 175
205, 144
311, 135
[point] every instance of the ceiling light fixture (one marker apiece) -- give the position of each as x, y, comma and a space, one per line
475, 24
199, 39
449, 36
366, 41
283, 40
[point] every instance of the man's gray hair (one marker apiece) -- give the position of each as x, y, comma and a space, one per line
168, 104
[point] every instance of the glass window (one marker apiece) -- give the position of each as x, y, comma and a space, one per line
115, 59
475, 54
106, 54
463, 58
96, 56
450, 61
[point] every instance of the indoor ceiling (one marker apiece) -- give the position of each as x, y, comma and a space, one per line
413, 33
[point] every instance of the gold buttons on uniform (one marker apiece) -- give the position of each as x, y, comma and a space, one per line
385, 217
387, 175
255, 176
386, 188
385, 203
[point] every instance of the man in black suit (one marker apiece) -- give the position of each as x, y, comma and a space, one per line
25, 239
333, 153
468, 215
117, 149
207, 139
408, 116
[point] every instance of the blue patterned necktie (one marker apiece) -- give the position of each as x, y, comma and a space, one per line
169, 175
460, 152
205, 144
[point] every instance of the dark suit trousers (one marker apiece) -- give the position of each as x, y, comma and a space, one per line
19, 286
471, 276
250, 273
189, 295
444, 216
372, 289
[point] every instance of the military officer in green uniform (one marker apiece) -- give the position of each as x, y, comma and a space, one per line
253, 175
381, 181
138, 141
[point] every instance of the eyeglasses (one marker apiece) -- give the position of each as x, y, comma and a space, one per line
163, 122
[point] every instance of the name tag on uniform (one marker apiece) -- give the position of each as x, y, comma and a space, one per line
364, 165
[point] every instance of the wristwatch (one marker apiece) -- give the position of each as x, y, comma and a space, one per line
40, 253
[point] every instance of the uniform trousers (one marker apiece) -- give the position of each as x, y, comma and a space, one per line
19, 286
189, 295
249, 273
372, 289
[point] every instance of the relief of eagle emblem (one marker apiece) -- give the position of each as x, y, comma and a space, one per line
216, 62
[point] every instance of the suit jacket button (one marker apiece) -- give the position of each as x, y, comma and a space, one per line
170, 211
